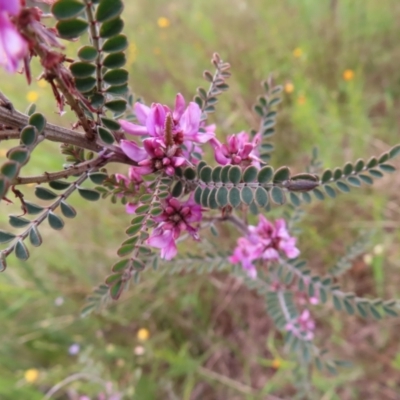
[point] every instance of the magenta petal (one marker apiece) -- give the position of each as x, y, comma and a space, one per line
219, 157
178, 161
133, 151
190, 120
156, 120
179, 107
133, 129
141, 112
11, 6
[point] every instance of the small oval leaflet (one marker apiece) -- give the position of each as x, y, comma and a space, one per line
55, 221
28, 135
34, 237
235, 174
108, 9
89, 194
111, 28
21, 251
105, 135
265, 174
67, 210
281, 174
234, 197
6, 236
44, 193
66, 9
72, 28
277, 195
115, 44
87, 53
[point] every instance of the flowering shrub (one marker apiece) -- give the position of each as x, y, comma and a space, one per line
171, 191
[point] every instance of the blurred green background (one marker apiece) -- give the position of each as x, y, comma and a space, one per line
207, 337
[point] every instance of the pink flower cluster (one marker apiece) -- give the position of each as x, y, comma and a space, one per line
176, 218
238, 150
170, 136
266, 241
13, 47
303, 326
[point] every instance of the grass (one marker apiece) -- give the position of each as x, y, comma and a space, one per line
209, 337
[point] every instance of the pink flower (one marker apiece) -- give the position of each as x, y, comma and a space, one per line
238, 150
265, 241
13, 47
156, 155
176, 218
303, 326
186, 122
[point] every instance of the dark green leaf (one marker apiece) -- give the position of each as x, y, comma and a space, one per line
110, 124
31, 109
394, 151
59, 185
66, 9
33, 208
89, 194
115, 44
204, 197
222, 196
265, 174
261, 197
72, 28
67, 210
359, 165
82, 69
105, 135
212, 199
216, 174
372, 162
354, 181
225, 173
34, 236
21, 251
9, 169
19, 155
326, 176
6, 236
117, 106
98, 177
250, 174
235, 174
18, 222
87, 53
116, 290
197, 195
205, 174
116, 76
121, 266
177, 189
114, 60
386, 168
189, 173
28, 135
337, 174
3, 186
44, 193
375, 173
234, 197
343, 187
281, 174
277, 195
318, 194
111, 279
348, 168
55, 221
111, 28
330, 191
85, 85
108, 9
246, 195
125, 250
366, 179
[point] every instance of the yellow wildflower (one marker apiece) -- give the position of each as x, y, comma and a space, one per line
163, 22
143, 334
289, 87
301, 100
348, 74
32, 96
31, 375
297, 52
3, 152
276, 363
